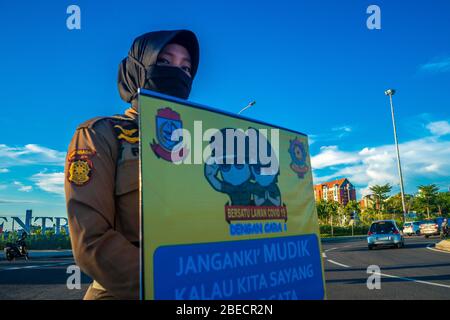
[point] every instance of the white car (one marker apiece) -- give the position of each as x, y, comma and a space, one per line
411, 228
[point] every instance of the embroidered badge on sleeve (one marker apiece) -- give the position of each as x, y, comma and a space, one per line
80, 166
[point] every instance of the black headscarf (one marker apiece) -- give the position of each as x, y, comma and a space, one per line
144, 53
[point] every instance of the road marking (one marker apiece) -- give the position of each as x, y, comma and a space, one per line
437, 250
36, 266
337, 263
414, 280
398, 277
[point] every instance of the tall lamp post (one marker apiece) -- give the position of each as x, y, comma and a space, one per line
251, 104
390, 93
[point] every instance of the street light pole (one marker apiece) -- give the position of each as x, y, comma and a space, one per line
248, 106
390, 93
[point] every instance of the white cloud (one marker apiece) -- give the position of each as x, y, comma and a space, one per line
21, 187
26, 188
50, 182
423, 159
4, 170
331, 155
11, 201
343, 128
436, 65
30, 154
334, 134
439, 128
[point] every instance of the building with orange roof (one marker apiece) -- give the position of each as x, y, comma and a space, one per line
368, 201
341, 191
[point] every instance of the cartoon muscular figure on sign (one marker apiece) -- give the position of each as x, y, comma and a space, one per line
246, 184
265, 188
234, 178
235, 181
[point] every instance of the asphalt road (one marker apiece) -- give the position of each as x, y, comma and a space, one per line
39, 279
413, 272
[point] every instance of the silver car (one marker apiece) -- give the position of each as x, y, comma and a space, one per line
384, 233
430, 228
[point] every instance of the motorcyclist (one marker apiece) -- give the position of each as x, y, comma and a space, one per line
22, 246
444, 228
17, 249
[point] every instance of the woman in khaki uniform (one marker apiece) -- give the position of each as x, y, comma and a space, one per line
102, 177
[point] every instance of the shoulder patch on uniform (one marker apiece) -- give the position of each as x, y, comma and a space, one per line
80, 153
80, 167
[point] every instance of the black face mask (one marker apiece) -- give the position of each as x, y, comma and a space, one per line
169, 80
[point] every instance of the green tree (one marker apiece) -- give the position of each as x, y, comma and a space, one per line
62, 231
394, 204
367, 216
352, 206
380, 194
427, 196
49, 232
326, 210
332, 212
321, 207
37, 230
443, 202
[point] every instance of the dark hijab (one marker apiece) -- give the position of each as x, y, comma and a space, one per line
139, 69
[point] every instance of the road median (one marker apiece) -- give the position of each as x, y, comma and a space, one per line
42, 254
444, 245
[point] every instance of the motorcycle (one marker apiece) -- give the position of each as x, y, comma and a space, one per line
16, 250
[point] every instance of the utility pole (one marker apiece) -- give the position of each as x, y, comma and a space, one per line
390, 93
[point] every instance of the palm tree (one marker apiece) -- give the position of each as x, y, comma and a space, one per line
380, 193
428, 194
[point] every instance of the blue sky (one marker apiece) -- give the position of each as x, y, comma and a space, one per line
312, 66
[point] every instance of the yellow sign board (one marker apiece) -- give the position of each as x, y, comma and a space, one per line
225, 216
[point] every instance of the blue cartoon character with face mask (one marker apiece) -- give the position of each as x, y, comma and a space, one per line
265, 175
265, 189
232, 179
249, 183
227, 175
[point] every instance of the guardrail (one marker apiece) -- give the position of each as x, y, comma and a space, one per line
342, 238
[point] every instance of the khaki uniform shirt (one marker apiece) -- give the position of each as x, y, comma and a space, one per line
102, 195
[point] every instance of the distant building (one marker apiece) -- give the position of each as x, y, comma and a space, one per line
368, 202
341, 191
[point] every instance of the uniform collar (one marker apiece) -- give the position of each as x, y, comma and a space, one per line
132, 113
